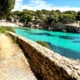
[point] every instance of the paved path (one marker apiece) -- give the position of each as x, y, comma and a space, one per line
13, 64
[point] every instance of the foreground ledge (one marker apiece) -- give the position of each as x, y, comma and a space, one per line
48, 64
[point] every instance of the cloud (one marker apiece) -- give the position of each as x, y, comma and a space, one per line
41, 4
65, 8
18, 5
37, 5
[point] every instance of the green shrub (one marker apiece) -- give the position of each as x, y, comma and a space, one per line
4, 29
43, 44
15, 39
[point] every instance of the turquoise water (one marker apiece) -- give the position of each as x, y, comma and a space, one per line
66, 44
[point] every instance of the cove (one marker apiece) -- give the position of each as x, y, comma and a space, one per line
66, 44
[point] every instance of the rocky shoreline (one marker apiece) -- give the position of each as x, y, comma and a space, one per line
55, 27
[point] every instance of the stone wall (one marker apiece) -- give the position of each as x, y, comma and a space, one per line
50, 65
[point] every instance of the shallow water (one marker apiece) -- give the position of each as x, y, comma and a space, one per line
66, 44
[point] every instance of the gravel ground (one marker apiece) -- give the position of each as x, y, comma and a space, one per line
13, 64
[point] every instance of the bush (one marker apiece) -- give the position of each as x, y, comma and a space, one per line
4, 29
15, 39
43, 44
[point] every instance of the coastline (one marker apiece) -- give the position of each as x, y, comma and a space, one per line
71, 28
9, 24
53, 26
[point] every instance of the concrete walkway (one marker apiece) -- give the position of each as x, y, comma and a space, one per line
13, 64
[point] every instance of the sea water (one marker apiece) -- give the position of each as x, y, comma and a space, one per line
66, 44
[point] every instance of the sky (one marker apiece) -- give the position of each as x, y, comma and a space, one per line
62, 5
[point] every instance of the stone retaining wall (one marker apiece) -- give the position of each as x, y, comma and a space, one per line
50, 65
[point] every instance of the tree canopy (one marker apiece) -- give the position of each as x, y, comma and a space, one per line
43, 15
5, 7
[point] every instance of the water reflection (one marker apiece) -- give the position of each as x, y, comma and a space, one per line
75, 41
67, 37
47, 34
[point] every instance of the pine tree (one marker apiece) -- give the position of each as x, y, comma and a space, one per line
5, 7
